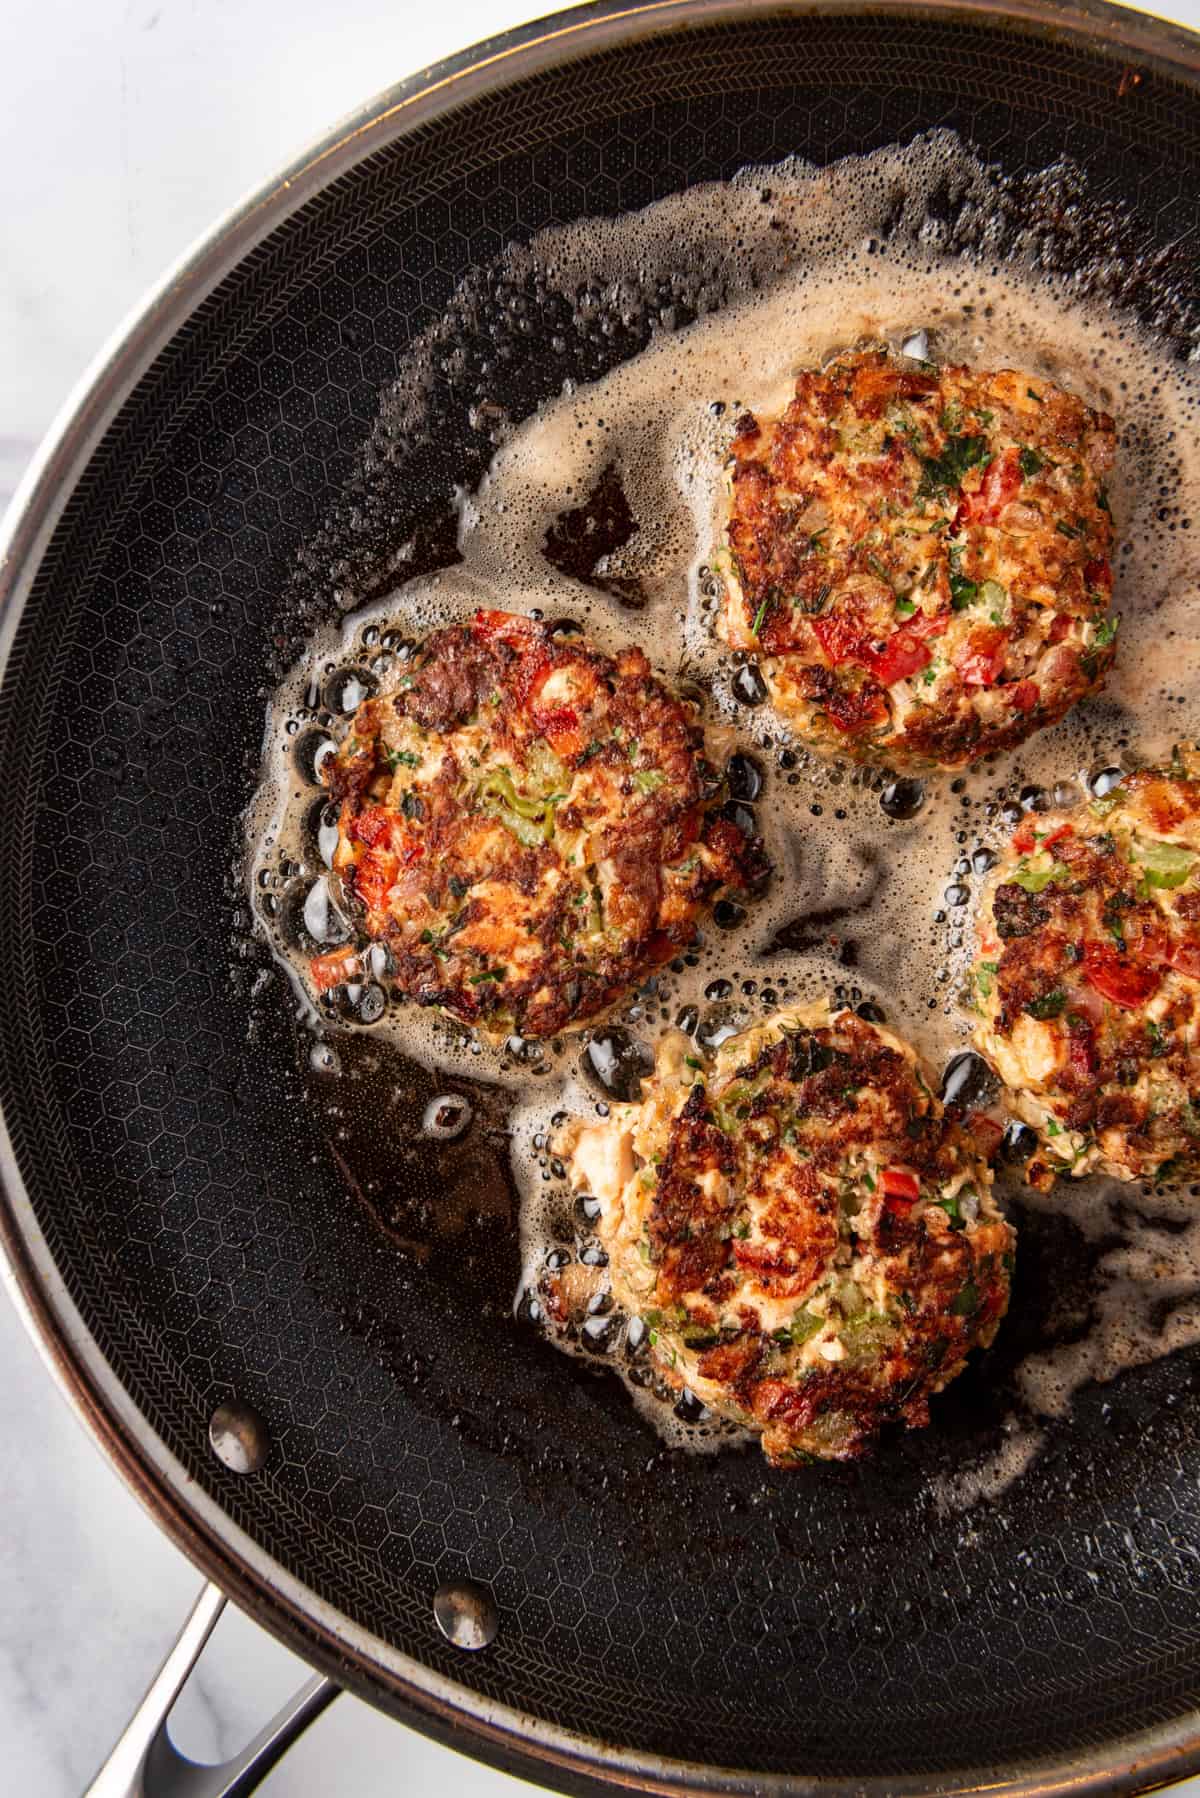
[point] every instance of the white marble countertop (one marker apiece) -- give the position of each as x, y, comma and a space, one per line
128, 127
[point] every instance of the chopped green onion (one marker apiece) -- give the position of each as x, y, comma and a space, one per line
1037, 879
1163, 864
1106, 802
804, 1325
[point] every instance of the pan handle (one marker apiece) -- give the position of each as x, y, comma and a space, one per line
146, 1763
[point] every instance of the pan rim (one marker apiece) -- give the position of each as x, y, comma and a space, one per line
503, 1736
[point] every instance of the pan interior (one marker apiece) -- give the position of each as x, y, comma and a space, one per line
194, 1183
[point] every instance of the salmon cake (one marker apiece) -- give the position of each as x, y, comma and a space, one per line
529, 826
1087, 982
812, 1245
920, 558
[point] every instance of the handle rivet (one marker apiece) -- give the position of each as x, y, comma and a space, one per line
466, 1613
239, 1437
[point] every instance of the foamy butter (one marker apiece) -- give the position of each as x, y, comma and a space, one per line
817, 261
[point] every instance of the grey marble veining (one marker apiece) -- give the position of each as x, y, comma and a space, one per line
129, 127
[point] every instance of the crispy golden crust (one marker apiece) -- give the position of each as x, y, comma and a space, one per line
1087, 980
922, 558
527, 824
814, 1248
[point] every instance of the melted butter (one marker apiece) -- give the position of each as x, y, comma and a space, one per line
826, 259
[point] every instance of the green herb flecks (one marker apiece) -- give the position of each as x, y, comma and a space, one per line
966, 1302
963, 592
1050, 1005
985, 973
944, 474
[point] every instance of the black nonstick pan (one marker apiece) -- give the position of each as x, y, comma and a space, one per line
179, 1224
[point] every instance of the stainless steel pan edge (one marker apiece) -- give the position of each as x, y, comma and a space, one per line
508, 1739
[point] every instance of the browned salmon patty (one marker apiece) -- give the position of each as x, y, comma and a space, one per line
921, 558
530, 826
1087, 982
812, 1245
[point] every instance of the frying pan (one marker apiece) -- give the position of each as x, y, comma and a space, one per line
180, 1228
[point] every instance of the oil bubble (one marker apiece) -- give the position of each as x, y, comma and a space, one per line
741, 817
1104, 780
968, 1081
717, 1025
748, 686
902, 799
743, 778
446, 1117
322, 920
1018, 1142
616, 1063
311, 752
346, 688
